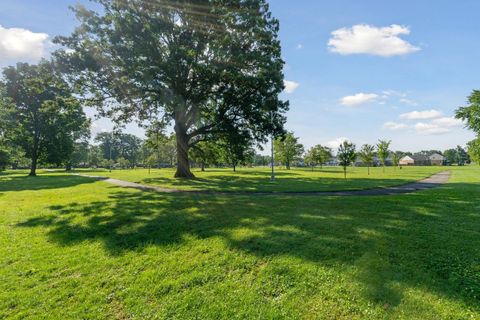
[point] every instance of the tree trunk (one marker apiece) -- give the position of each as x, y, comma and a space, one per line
33, 168
287, 165
345, 172
183, 165
203, 166
368, 170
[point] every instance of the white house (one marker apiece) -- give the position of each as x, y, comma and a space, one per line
406, 161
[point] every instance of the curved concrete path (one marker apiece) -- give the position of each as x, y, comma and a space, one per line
427, 183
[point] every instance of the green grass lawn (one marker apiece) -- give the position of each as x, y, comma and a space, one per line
76, 248
258, 179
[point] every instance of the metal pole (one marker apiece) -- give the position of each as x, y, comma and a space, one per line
273, 163
110, 160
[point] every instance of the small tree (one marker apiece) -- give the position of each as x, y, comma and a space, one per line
311, 157
395, 156
462, 156
366, 154
205, 153
123, 163
288, 149
383, 151
346, 155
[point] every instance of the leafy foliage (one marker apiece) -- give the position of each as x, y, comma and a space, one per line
318, 155
45, 118
383, 150
471, 113
366, 154
474, 150
346, 156
287, 149
203, 65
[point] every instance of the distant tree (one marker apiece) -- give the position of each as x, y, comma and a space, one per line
311, 158
47, 118
383, 151
462, 156
107, 164
473, 148
287, 149
123, 163
261, 160
366, 154
318, 155
236, 149
117, 144
451, 156
202, 65
79, 156
395, 156
205, 153
95, 156
346, 156
428, 153
471, 113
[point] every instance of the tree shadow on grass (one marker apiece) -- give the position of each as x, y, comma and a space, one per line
241, 183
427, 239
40, 182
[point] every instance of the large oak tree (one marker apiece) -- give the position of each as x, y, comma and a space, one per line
204, 65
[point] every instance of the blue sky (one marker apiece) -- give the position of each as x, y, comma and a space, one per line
360, 70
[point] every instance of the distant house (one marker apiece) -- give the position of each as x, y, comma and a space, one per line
420, 160
406, 161
436, 159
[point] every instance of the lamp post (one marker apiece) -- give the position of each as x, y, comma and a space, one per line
110, 151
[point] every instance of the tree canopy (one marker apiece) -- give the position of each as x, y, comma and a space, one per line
473, 148
318, 155
45, 118
287, 149
471, 113
366, 154
346, 155
383, 151
203, 65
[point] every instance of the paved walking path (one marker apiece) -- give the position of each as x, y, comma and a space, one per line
428, 183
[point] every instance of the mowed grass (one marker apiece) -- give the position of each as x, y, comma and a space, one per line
258, 179
76, 248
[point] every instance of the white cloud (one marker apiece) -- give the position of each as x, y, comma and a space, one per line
366, 39
358, 99
421, 115
430, 128
299, 46
290, 86
390, 125
448, 122
409, 102
17, 44
335, 143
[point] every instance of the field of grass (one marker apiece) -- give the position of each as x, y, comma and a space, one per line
258, 179
76, 248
